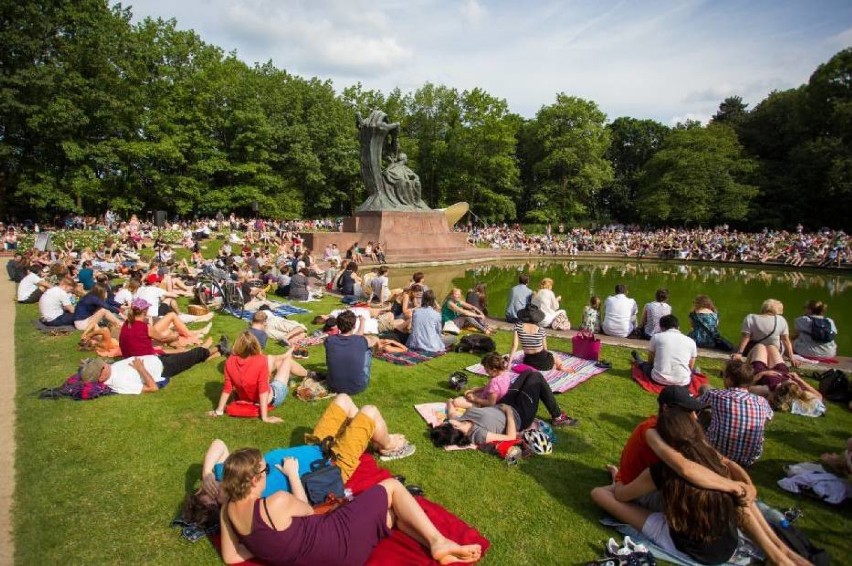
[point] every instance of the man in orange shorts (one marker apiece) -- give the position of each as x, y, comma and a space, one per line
354, 431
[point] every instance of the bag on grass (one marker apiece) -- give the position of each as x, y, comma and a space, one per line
723, 344
834, 386
322, 481
310, 390
585, 345
476, 344
801, 545
450, 327
244, 409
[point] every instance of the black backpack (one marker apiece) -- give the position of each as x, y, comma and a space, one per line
834, 386
821, 330
801, 545
476, 344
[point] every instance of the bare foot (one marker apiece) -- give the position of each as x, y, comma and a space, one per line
613, 470
447, 552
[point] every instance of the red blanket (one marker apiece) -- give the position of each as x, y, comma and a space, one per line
698, 379
399, 548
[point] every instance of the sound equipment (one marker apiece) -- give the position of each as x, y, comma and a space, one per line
44, 242
254, 206
160, 218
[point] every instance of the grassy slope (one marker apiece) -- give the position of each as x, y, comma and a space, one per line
99, 481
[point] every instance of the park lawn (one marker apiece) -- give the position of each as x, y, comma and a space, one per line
99, 481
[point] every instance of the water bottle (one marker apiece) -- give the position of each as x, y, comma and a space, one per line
772, 515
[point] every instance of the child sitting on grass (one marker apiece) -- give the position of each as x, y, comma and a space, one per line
592, 315
496, 367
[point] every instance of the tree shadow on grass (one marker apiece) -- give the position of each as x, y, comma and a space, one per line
624, 422
569, 483
297, 436
212, 390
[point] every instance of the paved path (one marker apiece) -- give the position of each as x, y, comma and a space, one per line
7, 417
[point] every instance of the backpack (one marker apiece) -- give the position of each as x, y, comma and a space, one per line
801, 545
821, 330
834, 386
476, 344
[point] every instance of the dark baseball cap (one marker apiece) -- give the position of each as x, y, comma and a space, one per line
678, 396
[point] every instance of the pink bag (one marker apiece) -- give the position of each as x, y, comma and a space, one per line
585, 345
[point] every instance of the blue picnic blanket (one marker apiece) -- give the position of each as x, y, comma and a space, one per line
282, 311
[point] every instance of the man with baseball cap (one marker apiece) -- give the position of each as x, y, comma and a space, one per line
645, 448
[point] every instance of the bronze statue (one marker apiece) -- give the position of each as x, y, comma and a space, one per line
396, 187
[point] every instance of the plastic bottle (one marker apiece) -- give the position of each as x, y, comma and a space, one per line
772, 515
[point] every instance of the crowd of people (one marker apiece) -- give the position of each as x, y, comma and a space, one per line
682, 478
826, 248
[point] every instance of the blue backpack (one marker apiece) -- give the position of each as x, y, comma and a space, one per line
821, 330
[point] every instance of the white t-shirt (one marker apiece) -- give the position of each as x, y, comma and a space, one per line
153, 295
123, 296
619, 315
28, 286
371, 325
380, 287
127, 381
672, 354
53, 302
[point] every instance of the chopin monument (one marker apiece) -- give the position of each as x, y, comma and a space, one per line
394, 212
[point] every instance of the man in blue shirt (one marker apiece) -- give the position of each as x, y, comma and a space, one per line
347, 356
519, 298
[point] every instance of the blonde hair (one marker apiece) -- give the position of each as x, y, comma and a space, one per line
240, 468
246, 345
772, 306
546, 283
787, 393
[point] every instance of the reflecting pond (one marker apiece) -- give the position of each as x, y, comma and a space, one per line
735, 289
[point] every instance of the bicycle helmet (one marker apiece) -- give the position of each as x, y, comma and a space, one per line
537, 441
458, 381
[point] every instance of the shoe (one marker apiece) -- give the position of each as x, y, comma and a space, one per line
635, 356
564, 420
612, 548
414, 490
224, 346
633, 547
398, 454
300, 353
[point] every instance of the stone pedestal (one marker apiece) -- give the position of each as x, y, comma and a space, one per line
412, 236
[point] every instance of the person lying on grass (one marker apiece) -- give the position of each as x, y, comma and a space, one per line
283, 529
257, 377
138, 333
355, 431
516, 412
496, 366
699, 522
770, 371
645, 448
143, 374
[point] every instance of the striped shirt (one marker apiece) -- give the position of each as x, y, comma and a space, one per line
530, 342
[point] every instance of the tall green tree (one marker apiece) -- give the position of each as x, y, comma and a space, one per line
699, 176
573, 141
732, 111
633, 143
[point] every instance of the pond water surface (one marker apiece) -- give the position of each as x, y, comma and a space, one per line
737, 290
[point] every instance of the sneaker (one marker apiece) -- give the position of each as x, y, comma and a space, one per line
300, 353
564, 420
633, 547
635, 356
612, 548
224, 346
398, 454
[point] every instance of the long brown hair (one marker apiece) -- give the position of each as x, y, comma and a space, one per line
240, 468
700, 514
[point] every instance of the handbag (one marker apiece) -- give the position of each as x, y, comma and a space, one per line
585, 345
450, 327
323, 481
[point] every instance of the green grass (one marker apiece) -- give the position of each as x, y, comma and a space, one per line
98, 482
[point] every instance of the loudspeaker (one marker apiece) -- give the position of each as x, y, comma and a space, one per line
254, 206
160, 218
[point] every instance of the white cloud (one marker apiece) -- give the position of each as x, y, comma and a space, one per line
472, 11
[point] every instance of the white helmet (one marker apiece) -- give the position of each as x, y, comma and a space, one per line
538, 441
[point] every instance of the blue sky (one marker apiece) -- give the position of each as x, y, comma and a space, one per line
665, 60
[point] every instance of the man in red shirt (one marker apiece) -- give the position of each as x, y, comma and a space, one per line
645, 448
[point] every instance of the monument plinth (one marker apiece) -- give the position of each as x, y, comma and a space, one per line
394, 212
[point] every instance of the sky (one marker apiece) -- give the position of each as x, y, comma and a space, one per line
663, 60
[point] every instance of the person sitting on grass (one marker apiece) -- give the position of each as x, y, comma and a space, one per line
55, 306
808, 342
619, 313
92, 308
143, 374
514, 413
671, 355
248, 372
496, 367
699, 522
138, 333
533, 341
645, 448
426, 329
738, 417
347, 356
519, 298
31, 286
462, 313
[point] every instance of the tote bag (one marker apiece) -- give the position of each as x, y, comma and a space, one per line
585, 345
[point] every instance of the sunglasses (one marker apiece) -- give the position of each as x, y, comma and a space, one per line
264, 470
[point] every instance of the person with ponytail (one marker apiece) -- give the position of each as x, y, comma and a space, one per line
699, 522
496, 367
137, 334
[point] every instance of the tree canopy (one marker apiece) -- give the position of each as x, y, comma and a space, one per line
98, 112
